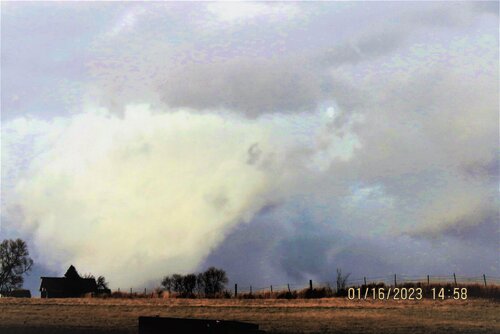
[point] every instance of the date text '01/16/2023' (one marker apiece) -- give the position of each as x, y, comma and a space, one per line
406, 293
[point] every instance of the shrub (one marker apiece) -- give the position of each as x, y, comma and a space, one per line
322, 292
246, 296
286, 295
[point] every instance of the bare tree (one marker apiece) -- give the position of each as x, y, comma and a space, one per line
200, 286
177, 283
167, 283
209, 283
102, 285
188, 285
14, 262
341, 280
214, 281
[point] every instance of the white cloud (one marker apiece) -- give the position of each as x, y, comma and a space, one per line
239, 12
127, 21
151, 191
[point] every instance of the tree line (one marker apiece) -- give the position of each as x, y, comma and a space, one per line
209, 284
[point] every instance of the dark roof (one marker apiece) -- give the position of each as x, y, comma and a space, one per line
80, 285
72, 273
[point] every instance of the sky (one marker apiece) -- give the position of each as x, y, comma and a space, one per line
278, 141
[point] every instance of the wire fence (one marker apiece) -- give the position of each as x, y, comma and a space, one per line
389, 280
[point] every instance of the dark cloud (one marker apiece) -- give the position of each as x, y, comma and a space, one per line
366, 47
453, 14
246, 75
283, 246
484, 169
482, 228
303, 256
247, 85
254, 154
247, 253
486, 7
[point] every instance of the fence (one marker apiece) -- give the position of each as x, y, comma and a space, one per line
389, 280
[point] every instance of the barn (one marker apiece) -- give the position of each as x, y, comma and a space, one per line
69, 286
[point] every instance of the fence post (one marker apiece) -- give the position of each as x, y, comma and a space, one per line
144, 291
484, 278
236, 290
310, 284
395, 281
428, 280
455, 279
250, 289
364, 279
289, 288
271, 289
130, 290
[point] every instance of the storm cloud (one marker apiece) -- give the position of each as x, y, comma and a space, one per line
278, 141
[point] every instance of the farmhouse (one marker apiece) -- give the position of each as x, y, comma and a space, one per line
69, 286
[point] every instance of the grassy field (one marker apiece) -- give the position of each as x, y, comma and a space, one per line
330, 315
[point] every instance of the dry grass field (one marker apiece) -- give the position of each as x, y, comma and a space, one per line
329, 315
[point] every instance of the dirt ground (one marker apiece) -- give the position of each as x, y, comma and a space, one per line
332, 315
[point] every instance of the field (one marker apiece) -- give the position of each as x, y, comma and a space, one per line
329, 315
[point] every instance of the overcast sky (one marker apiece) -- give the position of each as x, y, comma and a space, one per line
279, 141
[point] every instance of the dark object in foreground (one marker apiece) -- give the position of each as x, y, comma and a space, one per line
156, 325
